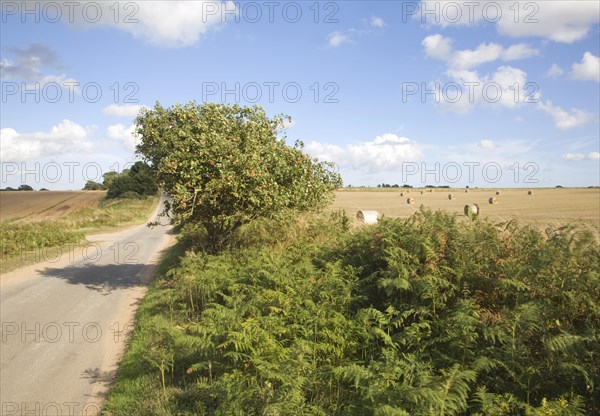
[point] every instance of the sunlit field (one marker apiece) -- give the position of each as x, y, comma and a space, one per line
545, 207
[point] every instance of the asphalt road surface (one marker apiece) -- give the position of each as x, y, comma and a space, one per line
64, 321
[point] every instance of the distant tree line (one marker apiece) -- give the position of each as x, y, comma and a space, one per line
387, 185
135, 182
23, 187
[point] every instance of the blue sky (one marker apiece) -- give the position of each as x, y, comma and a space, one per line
479, 93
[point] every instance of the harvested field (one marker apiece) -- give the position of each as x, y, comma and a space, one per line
546, 207
40, 205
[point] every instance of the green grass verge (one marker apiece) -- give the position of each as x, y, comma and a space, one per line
136, 389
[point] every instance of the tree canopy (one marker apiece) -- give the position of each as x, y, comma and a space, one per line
93, 186
225, 166
134, 182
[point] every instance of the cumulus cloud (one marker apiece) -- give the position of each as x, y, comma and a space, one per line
594, 156
559, 21
564, 119
32, 65
176, 23
588, 69
506, 87
66, 137
440, 47
126, 135
123, 110
386, 152
336, 39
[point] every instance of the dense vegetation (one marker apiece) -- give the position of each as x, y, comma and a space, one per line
225, 166
135, 182
430, 315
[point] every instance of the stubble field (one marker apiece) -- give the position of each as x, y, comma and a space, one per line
552, 207
37, 220
40, 205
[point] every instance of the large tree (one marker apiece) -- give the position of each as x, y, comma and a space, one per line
226, 165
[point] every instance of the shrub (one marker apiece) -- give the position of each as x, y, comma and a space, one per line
137, 180
224, 166
93, 186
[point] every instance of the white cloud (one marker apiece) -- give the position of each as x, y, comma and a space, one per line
564, 119
377, 22
588, 69
471, 58
506, 87
581, 156
336, 39
32, 64
386, 152
487, 144
176, 23
574, 156
125, 134
559, 21
475, 89
554, 71
439, 47
66, 137
518, 51
123, 110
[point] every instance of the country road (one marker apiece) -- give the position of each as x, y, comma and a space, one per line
63, 321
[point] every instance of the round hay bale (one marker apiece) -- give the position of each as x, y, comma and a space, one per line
431, 191
451, 196
530, 193
498, 193
401, 193
367, 217
472, 210
411, 201
466, 191
493, 200
422, 192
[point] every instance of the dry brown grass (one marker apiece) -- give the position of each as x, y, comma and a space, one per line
549, 207
40, 205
